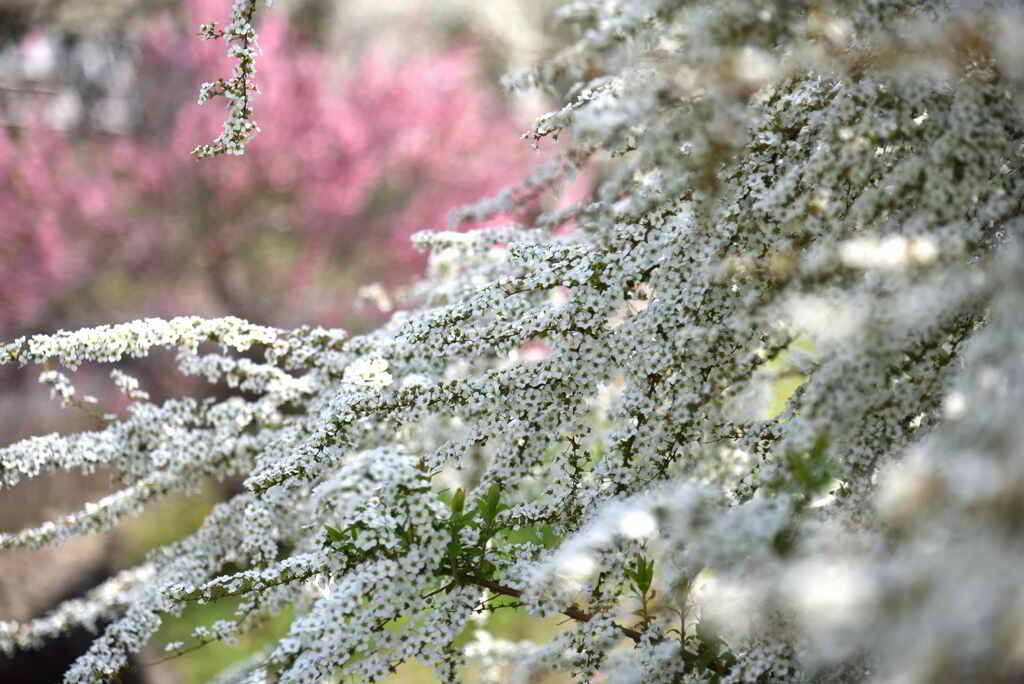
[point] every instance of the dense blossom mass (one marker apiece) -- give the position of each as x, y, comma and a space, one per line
579, 422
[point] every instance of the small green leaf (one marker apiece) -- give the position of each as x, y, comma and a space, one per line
641, 573
491, 503
334, 534
810, 470
458, 502
453, 552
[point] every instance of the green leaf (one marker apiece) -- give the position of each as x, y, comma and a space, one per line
453, 552
491, 503
811, 470
641, 573
334, 534
458, 502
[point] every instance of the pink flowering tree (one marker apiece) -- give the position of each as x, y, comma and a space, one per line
376, 148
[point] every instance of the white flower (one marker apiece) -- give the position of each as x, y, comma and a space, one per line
368, 372
638, 524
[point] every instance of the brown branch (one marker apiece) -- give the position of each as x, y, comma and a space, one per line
580, 615
575, 612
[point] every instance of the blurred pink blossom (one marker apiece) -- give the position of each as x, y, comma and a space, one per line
351, 161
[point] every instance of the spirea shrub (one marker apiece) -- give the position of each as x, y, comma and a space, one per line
578, 422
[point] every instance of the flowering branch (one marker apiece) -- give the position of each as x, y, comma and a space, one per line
240, 36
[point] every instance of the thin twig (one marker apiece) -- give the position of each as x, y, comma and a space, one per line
575, 612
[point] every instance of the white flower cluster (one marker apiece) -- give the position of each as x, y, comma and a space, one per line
240, 36
777, 213
368, 372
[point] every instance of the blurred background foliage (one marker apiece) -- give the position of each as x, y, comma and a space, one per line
378, 119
